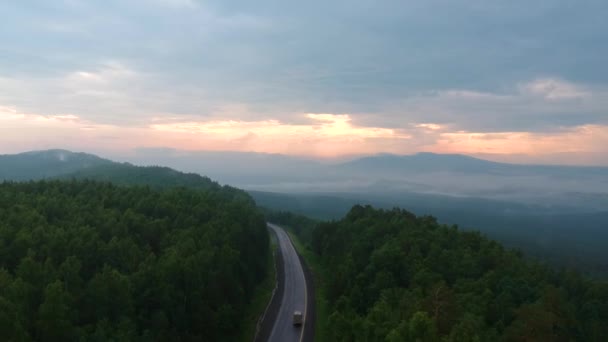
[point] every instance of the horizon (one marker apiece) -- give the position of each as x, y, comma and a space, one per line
492, 81
169, 152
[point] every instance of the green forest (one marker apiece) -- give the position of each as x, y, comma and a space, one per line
392, 276
92, 261
157, 177
543, 234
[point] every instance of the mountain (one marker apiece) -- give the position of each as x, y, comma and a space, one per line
557, 236
582, 188
422, 162
576, 189
46, 164
259, 169
433, 162
154, 176
548, 211
579, 188
242, 169
62, 164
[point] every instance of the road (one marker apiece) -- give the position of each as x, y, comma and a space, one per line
294, 295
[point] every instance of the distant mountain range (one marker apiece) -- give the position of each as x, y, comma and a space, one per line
580, 188
424, 173
432, 162
423, 162
558, 213
239, 163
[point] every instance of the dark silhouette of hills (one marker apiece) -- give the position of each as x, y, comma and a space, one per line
46, 164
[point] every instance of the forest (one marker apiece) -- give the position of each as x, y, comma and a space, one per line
157, 177
556, 237
393, 276
89, 260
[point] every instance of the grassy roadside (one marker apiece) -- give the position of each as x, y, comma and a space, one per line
322, 308
260, 300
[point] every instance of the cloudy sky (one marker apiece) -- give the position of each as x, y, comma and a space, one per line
521, 81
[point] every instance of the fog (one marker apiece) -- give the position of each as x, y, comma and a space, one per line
564, 187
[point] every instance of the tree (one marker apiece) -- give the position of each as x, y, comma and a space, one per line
95, 261
55, 315
422, 328
387, 267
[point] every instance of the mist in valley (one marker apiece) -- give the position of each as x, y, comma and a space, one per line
559, 188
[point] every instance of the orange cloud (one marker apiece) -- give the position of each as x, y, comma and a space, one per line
326, 135
581, 139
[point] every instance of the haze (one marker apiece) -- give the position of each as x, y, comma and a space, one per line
507, 81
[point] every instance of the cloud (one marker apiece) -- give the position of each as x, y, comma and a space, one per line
429, 126
582, 139
178, 3
415, 68
325, 135
537, 105
107, 72
20, 131
552, 89
328, 135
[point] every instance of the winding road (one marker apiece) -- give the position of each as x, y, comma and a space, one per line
294, 295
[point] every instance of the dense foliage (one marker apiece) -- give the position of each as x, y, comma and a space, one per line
84, 260
154, 176
561, 239
301, 225
397, 277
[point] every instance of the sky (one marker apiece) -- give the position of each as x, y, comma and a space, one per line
517, 81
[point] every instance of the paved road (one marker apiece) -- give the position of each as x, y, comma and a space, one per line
295, 294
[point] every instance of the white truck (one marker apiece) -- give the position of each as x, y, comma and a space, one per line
297, 318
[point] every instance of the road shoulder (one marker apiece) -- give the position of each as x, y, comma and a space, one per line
272, 311
309, 323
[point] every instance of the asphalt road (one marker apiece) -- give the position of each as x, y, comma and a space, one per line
294, 295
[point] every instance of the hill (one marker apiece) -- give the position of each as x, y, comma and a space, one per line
434, 162
560, 238
566, 230
423, 162
154, 176
84, 260
236, 168
46, 164
66, 165
564, 188
572, 189
393, 276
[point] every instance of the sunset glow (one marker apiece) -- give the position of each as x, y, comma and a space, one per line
265, 81
326, 135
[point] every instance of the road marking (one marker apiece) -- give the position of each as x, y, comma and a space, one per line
305, 301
